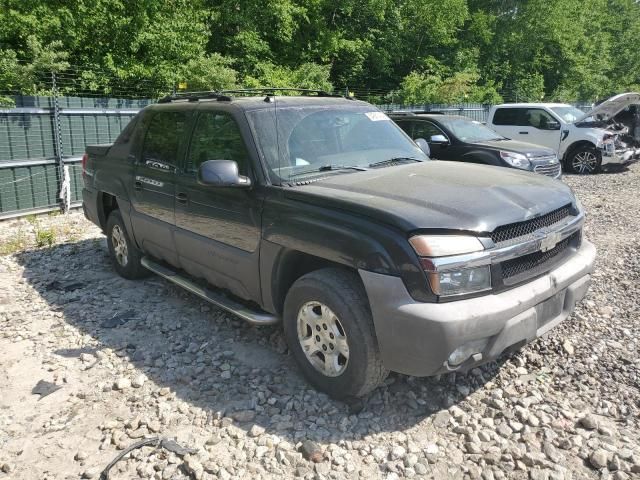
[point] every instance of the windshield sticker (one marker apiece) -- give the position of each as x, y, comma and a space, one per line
376, 116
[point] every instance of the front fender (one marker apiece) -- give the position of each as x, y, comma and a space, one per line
482, 156
342, 238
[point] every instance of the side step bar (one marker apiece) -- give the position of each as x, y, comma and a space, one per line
218, 299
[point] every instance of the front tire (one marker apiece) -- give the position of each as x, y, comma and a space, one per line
584, 160
329, 330
124, 254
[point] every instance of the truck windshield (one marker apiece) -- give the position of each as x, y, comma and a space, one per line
570, 114
469, 131
298, 142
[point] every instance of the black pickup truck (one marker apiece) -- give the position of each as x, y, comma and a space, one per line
320, 212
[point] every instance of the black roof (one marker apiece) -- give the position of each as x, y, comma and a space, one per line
430, 115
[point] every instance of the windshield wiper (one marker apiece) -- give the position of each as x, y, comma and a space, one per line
393, 160
330, 168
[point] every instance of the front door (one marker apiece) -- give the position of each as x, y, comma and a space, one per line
154, 180
532, 125
218, 228
538, 125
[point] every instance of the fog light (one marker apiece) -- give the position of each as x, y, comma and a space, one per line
462, 353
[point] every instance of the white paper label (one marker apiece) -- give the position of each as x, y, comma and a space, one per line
376, 116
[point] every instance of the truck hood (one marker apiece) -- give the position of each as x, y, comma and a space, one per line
611, 107
525, 148
438, 195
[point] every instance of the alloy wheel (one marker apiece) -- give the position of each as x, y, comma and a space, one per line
119, 245
323, 339
584, 162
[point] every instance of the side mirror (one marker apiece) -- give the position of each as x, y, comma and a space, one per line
440, 139
553, 126
221, 173
423, 145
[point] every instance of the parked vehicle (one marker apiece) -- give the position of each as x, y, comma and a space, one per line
579, 139
322, 213
452, 137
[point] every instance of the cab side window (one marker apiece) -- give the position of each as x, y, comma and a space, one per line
217, 137
163, 138
510, 116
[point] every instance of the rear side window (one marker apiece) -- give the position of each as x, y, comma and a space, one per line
127, 131
217, 137
163, 139
510, 116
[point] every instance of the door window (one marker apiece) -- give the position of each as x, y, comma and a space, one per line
163, 139
539, 118
217, 137
426, 130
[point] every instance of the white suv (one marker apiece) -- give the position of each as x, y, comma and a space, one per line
580, 139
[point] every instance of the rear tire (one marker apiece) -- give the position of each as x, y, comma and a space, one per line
584, 160
330, 332
124, 254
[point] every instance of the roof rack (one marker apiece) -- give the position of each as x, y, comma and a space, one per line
267, 90
416, 112
225, 95
194, 97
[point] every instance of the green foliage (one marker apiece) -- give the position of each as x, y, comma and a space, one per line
46, 237
431, 50
307, 75
529, 88
460, 87
213, 72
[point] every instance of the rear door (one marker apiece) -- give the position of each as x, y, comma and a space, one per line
510, 122
154, 182
218, 228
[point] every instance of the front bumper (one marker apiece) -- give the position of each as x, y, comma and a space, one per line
621, 156
418, 338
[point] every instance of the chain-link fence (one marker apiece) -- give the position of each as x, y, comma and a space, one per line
43, 137
42, 140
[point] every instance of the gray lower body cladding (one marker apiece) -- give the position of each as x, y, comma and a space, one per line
419, 338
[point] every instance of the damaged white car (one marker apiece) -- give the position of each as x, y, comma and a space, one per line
584, 141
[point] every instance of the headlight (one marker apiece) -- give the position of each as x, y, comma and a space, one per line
458, 282
444, 245
516, 160
451, 281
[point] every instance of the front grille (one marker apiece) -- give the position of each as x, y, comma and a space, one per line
550, 169
523, 229
536, 262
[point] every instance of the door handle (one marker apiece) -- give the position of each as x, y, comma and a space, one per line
523, 133
182, 197
137, 185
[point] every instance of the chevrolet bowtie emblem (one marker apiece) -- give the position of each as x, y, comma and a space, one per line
549, 241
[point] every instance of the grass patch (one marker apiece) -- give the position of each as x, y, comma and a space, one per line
14, 244
45, 237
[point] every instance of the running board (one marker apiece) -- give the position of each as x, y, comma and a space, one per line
218, 299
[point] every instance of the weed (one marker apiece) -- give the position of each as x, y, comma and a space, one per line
45, 237
13, 244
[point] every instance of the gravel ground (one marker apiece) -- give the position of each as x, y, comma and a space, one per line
119, 361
